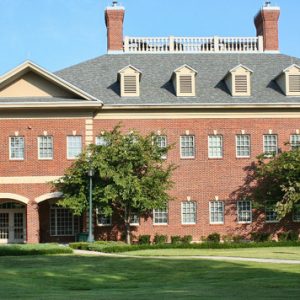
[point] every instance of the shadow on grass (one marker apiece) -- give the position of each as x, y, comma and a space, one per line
74, 277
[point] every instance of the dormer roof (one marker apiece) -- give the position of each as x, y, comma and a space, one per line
240, 66
185, 66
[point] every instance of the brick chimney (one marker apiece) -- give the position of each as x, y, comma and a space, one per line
114, 17
266, 23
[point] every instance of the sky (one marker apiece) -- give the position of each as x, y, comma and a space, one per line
59, 33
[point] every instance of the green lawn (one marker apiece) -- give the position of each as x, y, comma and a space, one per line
89, 277
268, 252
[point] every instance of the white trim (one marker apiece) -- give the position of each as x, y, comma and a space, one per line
222, 147
223, 210
236, 145
50, 76
10, 152
194, 146
188, 223
27, 179
160, 224
48, 197
237, 210
14, 197
67, 148
38, 146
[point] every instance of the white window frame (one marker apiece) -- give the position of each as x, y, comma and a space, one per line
160, 211
297, 207
295, 138
101, 215
39, 147
194, 213
134, 216
213, 146
237, 145
68, 146
162, 142
10, 148
55, 208
269, 209
243, 210
211, 212
269, 154
193, 147
100, 141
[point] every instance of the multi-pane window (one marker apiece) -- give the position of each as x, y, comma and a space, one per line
296, 213
270, 144
16, 147
271, 215
187, 146
215, 146
160, 216
103, 220
61, 221
74, 146
295, 141
134, 219
188, 212
243, 145
101, 141
161, 141
216, 212
45, 147
244, 212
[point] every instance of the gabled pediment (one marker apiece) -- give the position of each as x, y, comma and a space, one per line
289, 80
29, 81
185, 69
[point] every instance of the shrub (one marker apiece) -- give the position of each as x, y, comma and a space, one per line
160, 239
227, 238
213, 237
288, 236
34, 249
237, 238
187, 239
260, 236
144, 239
175, 239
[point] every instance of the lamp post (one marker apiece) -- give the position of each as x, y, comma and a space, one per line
91, 235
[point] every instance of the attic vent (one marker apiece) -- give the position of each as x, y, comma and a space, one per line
185, 83
294, 83
130, 84
241, 84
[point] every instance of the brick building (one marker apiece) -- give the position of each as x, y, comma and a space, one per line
221, 101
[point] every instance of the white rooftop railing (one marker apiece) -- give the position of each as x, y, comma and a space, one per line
193, 44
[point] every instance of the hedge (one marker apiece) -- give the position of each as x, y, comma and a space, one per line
34, 249
118, 248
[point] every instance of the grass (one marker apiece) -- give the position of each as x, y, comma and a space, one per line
269, 252
89, 277
33, 249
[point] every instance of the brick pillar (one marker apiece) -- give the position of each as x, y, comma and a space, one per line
33, 223
266, 23
114, 17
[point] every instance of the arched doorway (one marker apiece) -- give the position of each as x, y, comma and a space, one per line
12, 222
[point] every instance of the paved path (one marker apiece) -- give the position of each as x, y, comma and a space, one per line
222, 258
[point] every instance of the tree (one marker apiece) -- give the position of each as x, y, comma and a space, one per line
276, 180
130, 175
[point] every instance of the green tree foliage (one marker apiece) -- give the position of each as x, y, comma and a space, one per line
130, 176
276, 180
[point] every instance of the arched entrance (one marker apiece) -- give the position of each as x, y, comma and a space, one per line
12, 222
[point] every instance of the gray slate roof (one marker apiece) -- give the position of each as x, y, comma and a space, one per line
98, 77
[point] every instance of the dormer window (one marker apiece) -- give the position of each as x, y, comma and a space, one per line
129, 78
238, 81
289, 81
184, 81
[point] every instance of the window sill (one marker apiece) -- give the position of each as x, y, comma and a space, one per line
45, 158
188, 157
188, 224
104, 225
216, 223
249, 222
161, 224
271, 222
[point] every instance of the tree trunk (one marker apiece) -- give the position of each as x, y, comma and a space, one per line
127, 225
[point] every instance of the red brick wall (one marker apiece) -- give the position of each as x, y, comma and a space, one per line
266, 23
114, 22
202, 178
